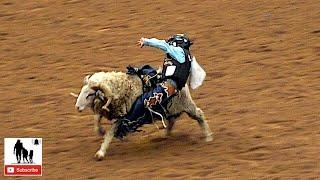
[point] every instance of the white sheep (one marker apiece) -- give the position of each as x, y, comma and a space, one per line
119, 91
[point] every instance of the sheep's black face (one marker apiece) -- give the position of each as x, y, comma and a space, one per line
85, 98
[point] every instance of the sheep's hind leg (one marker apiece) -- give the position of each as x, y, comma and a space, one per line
97, 125
197, 114
100, 154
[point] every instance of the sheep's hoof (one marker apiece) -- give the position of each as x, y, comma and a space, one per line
209, 138
99, 155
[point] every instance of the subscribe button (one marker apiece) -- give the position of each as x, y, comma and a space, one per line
23, 170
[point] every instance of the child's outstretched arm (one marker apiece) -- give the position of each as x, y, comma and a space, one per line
175, 52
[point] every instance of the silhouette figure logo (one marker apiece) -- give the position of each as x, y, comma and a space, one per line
23, 156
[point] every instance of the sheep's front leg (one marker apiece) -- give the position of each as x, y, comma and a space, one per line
107, 139
97, 125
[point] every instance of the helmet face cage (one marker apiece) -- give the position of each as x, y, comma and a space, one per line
180, 40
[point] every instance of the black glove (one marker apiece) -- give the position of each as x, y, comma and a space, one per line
132, 70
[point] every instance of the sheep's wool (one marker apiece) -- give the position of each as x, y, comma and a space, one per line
122, 88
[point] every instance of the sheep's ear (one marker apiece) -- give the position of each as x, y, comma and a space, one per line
93, 85
86, 79
74, 95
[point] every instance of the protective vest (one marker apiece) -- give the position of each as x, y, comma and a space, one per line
179, 72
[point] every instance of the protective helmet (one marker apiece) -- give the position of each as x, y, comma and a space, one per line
180, 40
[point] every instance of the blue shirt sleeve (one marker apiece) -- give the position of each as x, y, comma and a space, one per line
175, 52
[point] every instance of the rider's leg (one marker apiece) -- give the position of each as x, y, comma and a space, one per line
149, 99
139, 113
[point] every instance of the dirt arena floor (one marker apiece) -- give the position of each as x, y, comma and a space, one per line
261, 96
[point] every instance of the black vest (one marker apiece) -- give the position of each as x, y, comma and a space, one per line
181, 72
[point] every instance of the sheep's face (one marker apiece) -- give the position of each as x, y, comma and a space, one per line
85, 98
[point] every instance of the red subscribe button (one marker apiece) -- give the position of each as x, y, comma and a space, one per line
23, 170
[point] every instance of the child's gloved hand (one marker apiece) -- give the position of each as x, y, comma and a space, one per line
132, 70
141, 42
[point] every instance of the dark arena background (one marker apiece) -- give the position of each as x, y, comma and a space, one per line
261, 95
